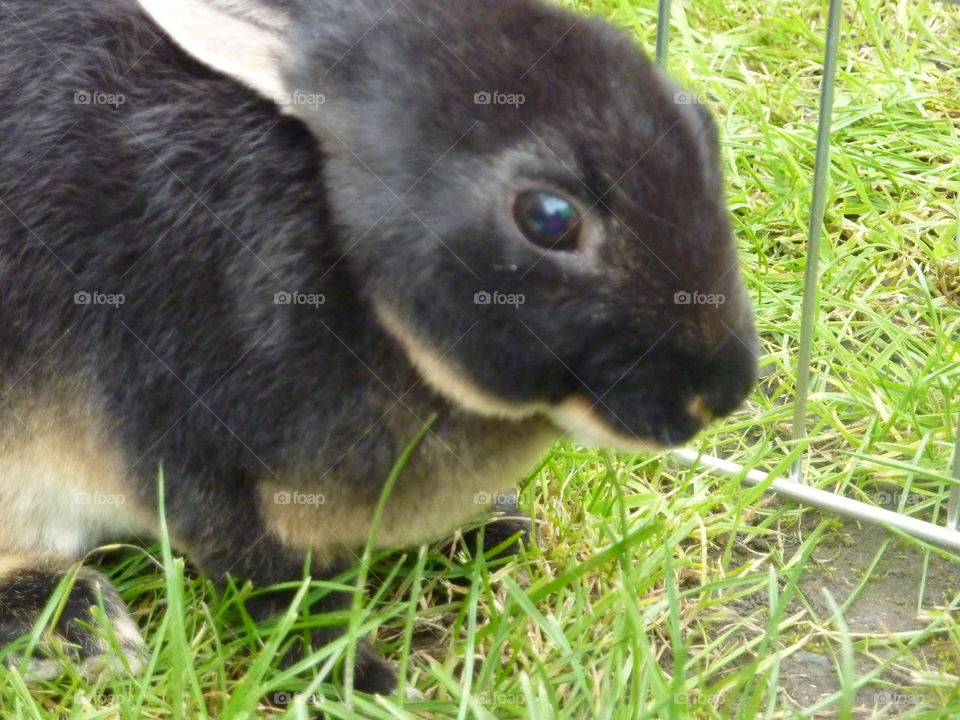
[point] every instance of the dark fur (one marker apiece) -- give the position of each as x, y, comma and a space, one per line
198, 201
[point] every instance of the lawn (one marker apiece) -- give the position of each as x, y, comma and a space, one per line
657, 591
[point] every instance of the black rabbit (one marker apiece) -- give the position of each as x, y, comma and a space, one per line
261, 242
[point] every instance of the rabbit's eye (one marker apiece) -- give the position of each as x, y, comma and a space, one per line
547, 219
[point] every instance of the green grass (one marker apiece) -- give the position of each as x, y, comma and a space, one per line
657, 591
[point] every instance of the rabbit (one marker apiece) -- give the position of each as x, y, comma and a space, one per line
262, 244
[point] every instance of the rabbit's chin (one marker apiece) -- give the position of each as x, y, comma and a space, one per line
575, 418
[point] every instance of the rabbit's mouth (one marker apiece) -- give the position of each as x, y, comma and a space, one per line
592, 422
665, 399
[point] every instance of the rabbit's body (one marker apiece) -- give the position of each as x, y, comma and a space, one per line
112, 390
186, 281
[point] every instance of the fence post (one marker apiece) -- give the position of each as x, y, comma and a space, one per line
663, 31
953, 503
821, 174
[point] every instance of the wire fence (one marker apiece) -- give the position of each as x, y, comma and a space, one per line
793, 488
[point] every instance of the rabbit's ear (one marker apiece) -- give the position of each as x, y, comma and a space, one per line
240, 38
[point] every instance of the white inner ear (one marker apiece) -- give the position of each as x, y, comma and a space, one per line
240, 39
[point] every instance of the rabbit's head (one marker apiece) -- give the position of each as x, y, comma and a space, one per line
534, 210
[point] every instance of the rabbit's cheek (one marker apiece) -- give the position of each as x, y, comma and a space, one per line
65, 486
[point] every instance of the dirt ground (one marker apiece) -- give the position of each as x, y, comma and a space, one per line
887, 604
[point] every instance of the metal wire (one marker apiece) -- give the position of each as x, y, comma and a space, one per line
838, 504
663, 31
821, 172
953, 503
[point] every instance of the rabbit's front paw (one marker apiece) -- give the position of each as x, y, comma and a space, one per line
508, 528
503, 532
373, 673
26, 586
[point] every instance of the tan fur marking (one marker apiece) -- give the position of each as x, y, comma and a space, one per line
577, 417
445, 485
698, 408
9, 564
63, 484
324, 520
444, 378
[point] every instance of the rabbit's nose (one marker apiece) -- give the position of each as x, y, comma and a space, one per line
729, 375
